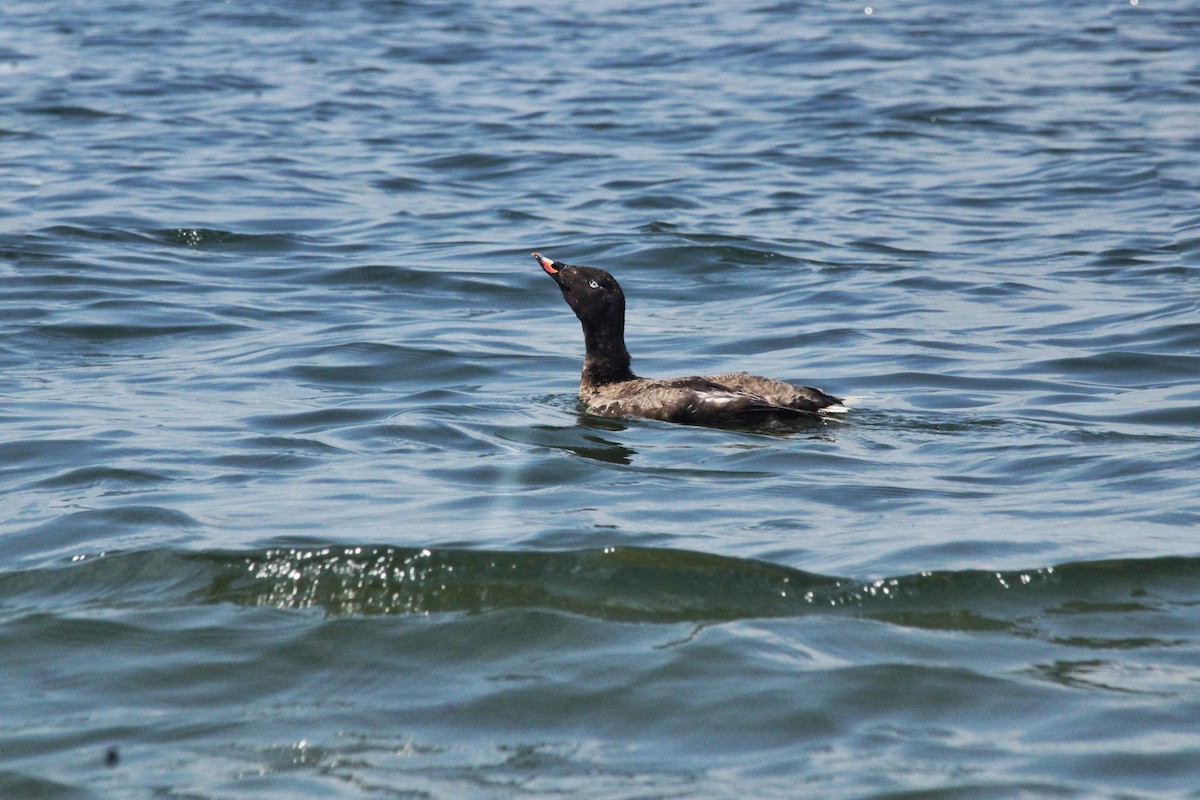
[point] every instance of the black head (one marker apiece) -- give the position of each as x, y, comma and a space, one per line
597, 299
593, 294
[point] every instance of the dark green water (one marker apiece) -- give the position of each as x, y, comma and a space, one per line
296, 498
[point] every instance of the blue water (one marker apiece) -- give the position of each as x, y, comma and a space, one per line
297, 498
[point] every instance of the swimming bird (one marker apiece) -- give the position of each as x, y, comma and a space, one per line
609, 388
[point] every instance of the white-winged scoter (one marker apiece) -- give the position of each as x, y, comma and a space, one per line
609, 387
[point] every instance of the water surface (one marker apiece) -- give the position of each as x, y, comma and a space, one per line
296, 497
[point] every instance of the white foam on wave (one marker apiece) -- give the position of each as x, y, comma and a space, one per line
846, 405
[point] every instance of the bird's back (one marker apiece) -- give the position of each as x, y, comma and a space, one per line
707, 400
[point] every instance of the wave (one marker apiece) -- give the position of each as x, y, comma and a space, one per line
649, 585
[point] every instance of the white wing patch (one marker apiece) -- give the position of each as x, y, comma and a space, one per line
719, 399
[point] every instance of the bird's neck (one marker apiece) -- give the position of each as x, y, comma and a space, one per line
607, 361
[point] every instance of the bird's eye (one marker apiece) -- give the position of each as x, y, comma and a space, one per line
593, 284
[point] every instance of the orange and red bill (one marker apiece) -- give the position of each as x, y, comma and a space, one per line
546, 263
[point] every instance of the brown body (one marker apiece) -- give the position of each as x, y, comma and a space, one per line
609, 387
707, 399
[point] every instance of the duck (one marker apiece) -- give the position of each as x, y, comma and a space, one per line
608, 386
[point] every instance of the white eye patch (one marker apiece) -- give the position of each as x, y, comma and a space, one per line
593, 284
